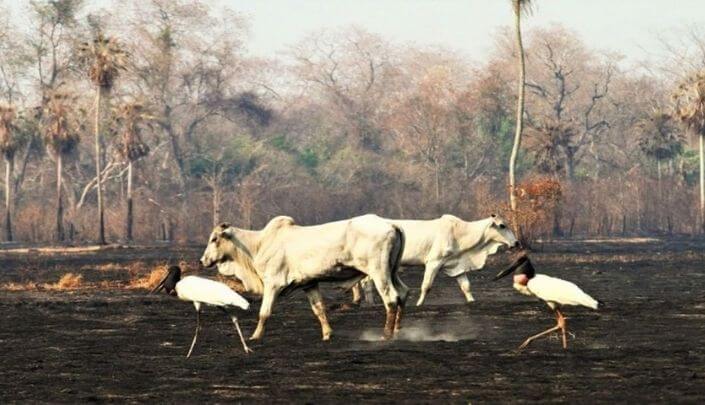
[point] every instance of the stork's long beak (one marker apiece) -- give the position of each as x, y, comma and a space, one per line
159, 287
503, 273
510, 269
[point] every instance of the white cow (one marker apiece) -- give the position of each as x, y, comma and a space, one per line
452, 245
284, 256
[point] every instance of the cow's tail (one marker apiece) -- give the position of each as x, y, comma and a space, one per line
395, 262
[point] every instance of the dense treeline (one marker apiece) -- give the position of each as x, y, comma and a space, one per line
191, 130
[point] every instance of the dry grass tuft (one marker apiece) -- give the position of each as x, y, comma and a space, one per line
68, 281
150, 280
28, 286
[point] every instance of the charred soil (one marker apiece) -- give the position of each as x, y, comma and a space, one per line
92, 344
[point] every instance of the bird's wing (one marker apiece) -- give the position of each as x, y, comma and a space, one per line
210, 292
561, 292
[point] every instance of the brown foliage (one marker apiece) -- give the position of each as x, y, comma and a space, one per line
151, 280
69, 281
537, 200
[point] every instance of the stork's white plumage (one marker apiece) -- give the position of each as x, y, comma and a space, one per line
553, 291
203, 291
556, 292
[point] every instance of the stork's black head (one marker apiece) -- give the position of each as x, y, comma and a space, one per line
521, 267
169, 282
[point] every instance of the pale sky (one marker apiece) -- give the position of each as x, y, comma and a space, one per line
629, 27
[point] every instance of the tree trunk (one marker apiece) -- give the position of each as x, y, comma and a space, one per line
59, 203
702, 183
520, 110
438, 188
216, 205
660, 205
128, 216
8, 199
99, 185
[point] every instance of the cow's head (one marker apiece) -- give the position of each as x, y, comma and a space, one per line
233, 258
499, 232
220, 245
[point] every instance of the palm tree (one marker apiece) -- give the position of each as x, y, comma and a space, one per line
105, 58
61, 137
519, 7
689, 106
657, 138
8, 146
130, 118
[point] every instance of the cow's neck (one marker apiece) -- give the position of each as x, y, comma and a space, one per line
250, 239
472, 236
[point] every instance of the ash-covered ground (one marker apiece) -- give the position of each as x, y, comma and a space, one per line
646, 345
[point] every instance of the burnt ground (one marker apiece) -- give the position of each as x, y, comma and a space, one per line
646, 345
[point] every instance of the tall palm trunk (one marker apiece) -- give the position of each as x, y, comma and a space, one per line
101, 224
8, 199
702, 182
216, 205
520, 109
59, 203
128, 217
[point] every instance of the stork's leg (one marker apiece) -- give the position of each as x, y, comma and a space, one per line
239, 331
430, 273
560, 319
538, 335
464, 285
319, 309
198, 328
242, 338
560, 325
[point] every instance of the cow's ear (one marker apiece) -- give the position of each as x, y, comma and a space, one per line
494, 215
226, 233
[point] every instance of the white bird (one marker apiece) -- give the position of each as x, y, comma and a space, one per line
203, 291
553, 291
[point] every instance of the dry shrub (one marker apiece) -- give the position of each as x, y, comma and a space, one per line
68, 281
537, 201
11, 286
151, 280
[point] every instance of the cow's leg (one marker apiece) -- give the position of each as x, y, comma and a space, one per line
390, 299
369, 289
430, 273
464, 284
403, 291
265, 311
357, 294
319, 309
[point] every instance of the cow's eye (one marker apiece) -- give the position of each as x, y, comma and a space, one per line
213, 239
502, 226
